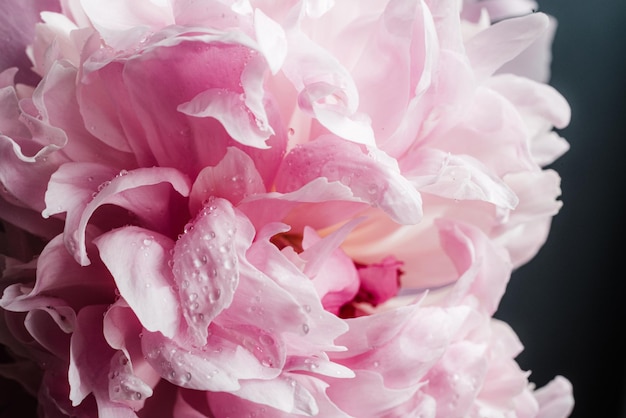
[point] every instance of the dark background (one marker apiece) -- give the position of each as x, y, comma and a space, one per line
567, 305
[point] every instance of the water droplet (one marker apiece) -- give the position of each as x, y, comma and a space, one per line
215, 295
305, 328
147, 241
123, 173
138, 396
185, 284
193, 296
228, 264
307, 308
187, 376
291, 131
372, 189
266, 339
188, 228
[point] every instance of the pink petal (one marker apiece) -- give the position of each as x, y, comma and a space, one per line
500, 43
233, 179
379, 281
80, 188
124, 386
456, 379
457, 177
324, 203
17, 23
374, 179
528, 226
117, 18
326, 90
89, 354
401, 344
138, 261
405, 34
205, 263
534, 62
484, 268
332, 272
59, 86
228, 357
555, 399
381, 400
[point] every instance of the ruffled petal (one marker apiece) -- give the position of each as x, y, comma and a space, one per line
81, 188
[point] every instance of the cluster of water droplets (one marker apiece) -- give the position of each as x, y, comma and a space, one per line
124, 385
204, 264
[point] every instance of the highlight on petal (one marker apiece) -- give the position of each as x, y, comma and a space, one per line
138, 261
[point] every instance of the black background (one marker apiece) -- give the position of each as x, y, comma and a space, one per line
567, 305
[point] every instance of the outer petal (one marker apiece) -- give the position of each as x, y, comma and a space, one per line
555, 399
502, 42
483, 267
138, 261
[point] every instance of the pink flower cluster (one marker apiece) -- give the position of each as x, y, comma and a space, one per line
273, 208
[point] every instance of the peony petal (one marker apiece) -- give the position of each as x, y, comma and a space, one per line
331, 271
89, 354
272, 40
373, 178
138, 261
456, 379
419, 335
205, 263
228, 357
228, 108
484, 268
325, 203
500, 43
326, 90
91, 186
555, 399
124, 386
233, 179
457, 177
17, 23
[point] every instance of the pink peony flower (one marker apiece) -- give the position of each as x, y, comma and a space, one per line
218, 208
